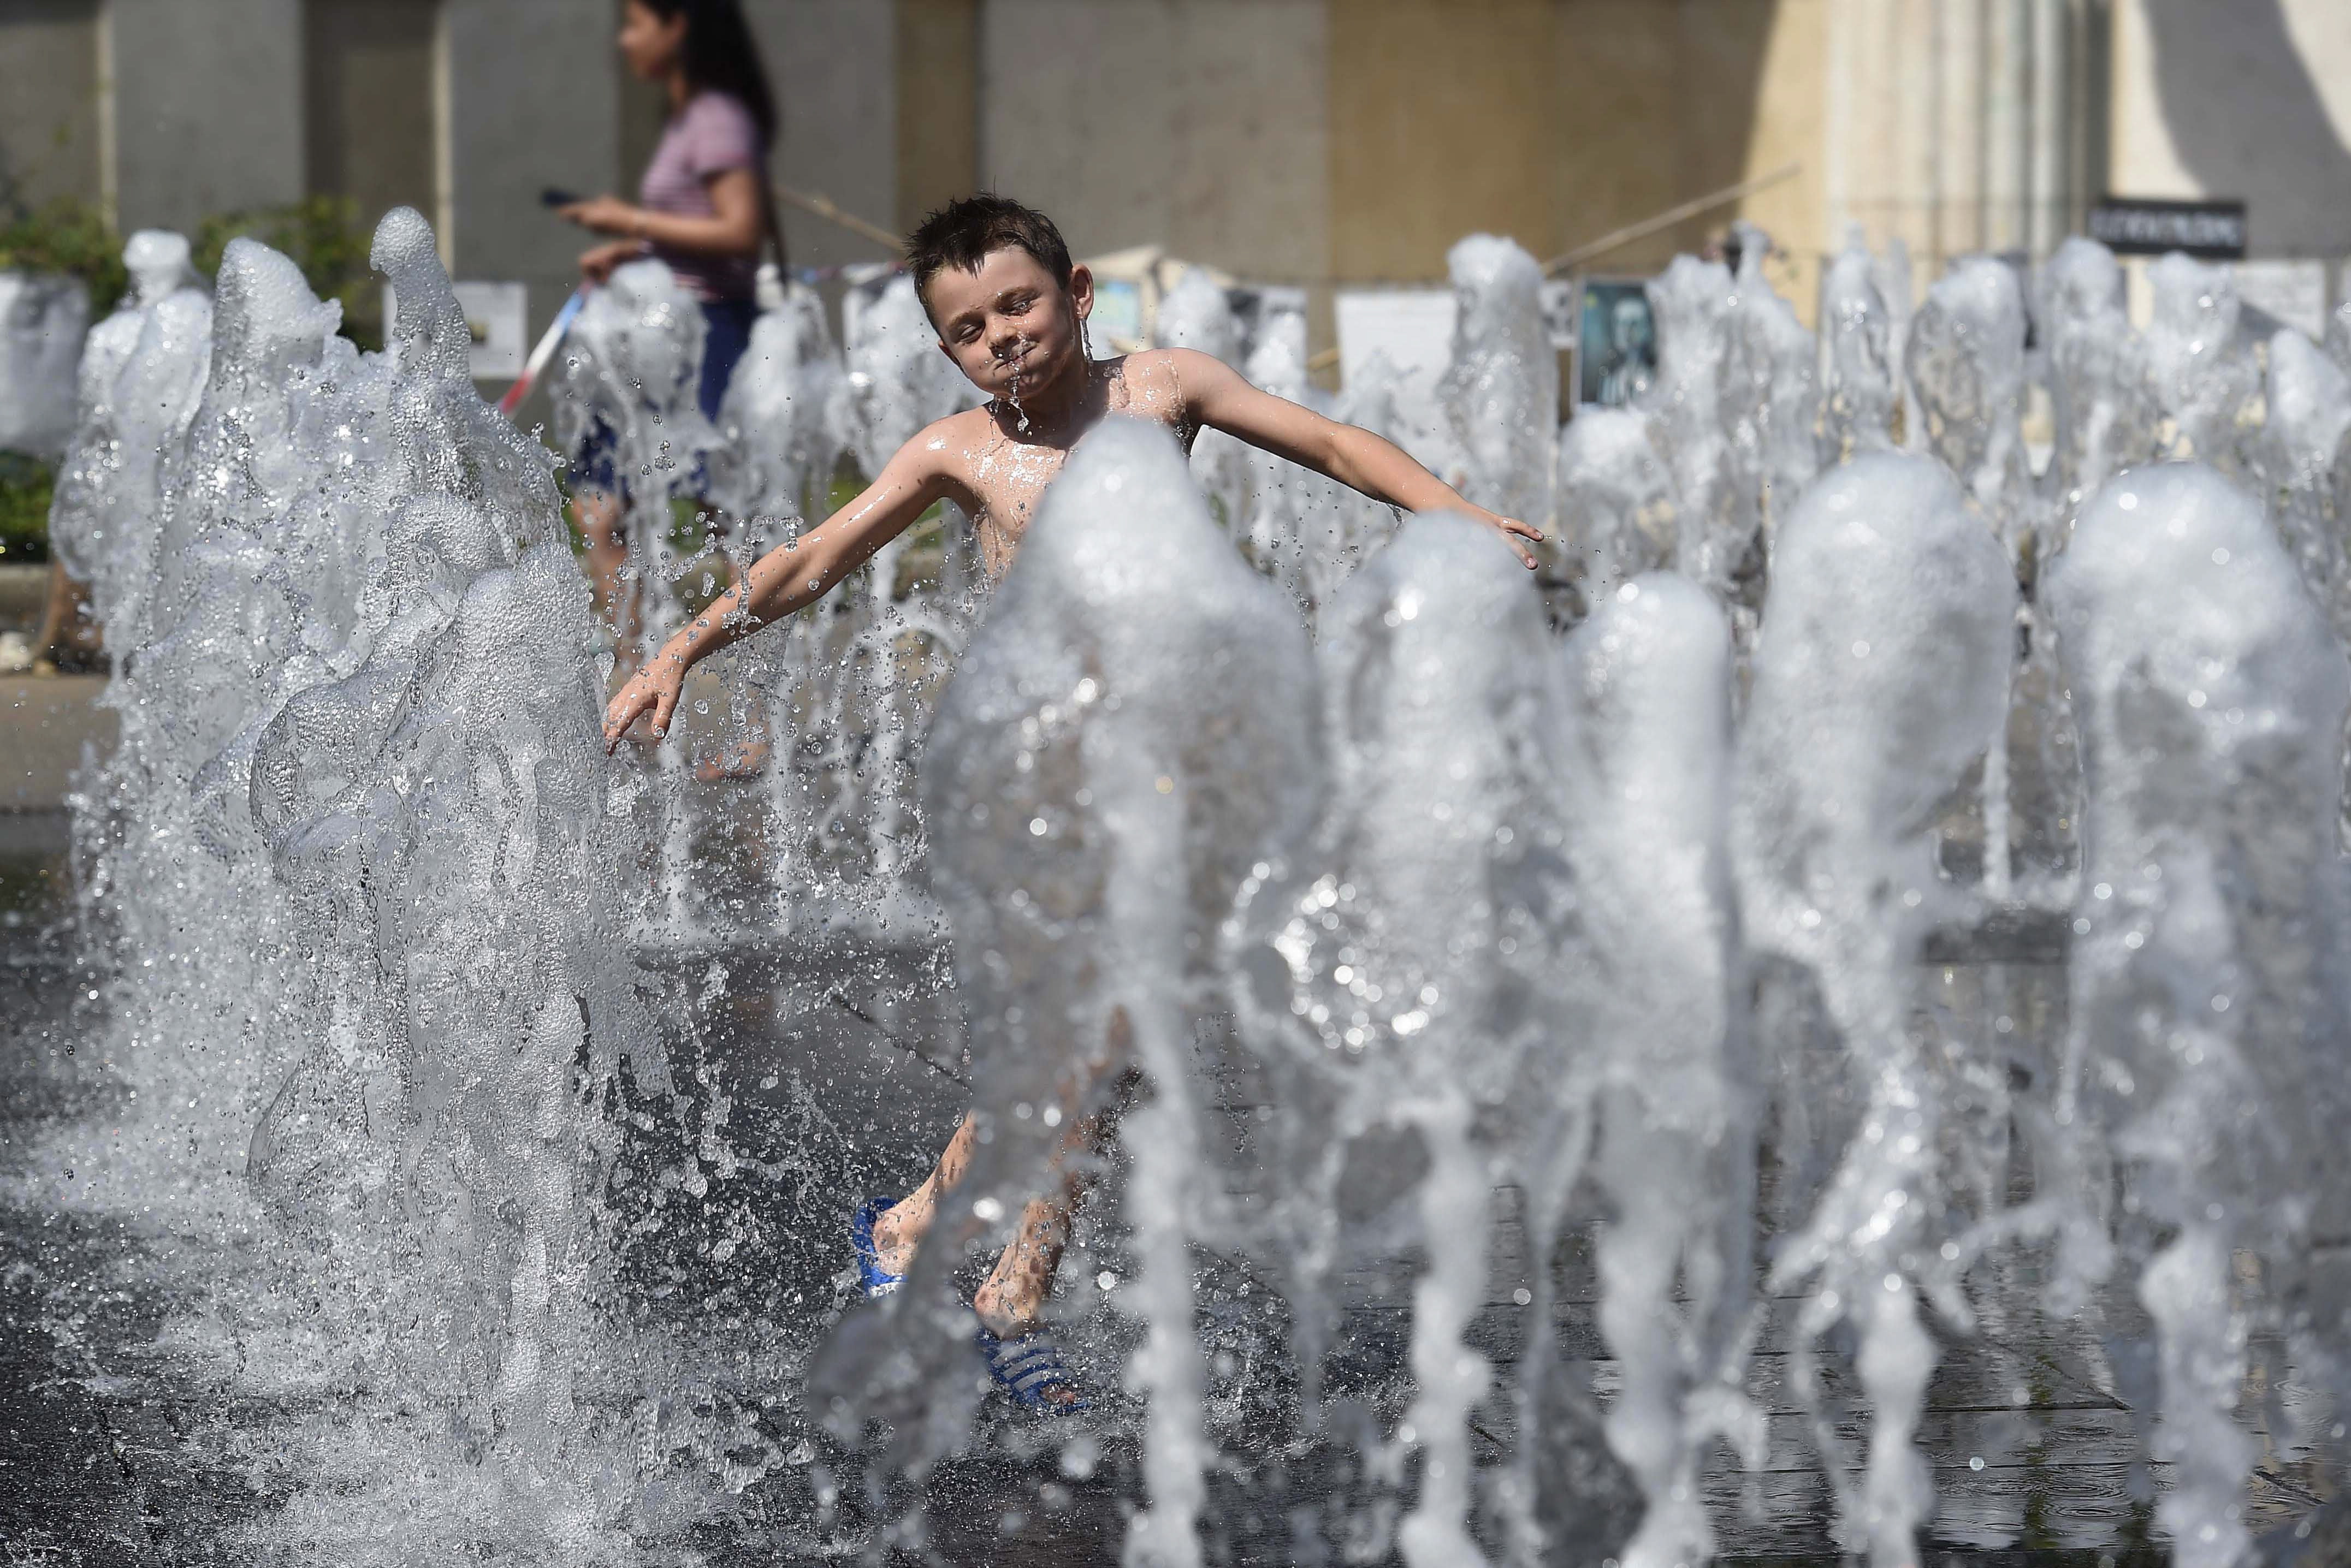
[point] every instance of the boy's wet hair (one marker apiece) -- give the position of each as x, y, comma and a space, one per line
962, 233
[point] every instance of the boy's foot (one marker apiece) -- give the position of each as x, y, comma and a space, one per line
872, 1277
1029, 1369
898, 1226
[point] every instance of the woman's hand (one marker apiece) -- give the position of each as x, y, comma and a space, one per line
596, 266
654, 690
606, 215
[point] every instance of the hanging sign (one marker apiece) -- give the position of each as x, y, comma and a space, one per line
2131, 226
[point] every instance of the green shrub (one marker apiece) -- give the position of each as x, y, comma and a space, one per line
68, 235
24, 486
320, 234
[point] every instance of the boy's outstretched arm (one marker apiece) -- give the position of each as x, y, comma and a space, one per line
1216, 394
785, 580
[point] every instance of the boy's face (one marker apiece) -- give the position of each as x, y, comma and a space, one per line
1010, 325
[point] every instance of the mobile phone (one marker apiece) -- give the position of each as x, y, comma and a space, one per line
557, 196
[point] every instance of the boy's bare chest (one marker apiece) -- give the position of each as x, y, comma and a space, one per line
1008, 480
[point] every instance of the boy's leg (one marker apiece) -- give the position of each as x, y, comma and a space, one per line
1024, 1273
747, 757
64, 630
1011, 1300
901, 1227
597, 514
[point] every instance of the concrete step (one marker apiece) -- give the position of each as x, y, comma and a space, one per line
46, 722
24, 590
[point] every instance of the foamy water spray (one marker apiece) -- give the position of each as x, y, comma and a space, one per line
629, 374
1394, 994
1881, 667
1858, 391
2201, 372
1307, 531
369, 960
772, 474
1649, 675
2208, 1003
1197, 315
1501, 390
897, 382
1132, 724
141, 369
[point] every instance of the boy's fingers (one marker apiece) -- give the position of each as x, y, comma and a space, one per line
622, 712
1513, 531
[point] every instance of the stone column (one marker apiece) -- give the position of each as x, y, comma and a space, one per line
207, 107
529, 96
834, 65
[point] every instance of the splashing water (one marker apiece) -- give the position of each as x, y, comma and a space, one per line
1197, 315
1690, 300
2199, 373
1770, 398
627, 379
1400, 999
1881, 666
775, 453
1858, 394
1304, 529
1649, 675
2096, 381
1616, 500
2212, 701
1096, 802
140, 372
1409, 961
1966, 366
1501, 393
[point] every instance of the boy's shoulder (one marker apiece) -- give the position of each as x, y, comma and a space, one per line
959, 436
1164, 383
1181, 367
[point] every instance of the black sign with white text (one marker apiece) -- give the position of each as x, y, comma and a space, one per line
2210, 231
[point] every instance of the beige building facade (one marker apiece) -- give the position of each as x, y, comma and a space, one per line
1323, 142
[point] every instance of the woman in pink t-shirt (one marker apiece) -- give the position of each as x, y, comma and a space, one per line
702, 208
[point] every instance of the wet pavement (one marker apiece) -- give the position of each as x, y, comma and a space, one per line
832, 1071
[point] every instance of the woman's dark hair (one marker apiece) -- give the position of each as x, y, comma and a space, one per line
721, 55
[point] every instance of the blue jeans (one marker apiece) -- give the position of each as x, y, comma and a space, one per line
726, 335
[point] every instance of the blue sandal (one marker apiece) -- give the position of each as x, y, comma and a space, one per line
872, 1277
1025, 1367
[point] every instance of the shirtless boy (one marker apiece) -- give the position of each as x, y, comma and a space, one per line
1010, 310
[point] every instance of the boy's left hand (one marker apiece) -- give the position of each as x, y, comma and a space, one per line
1513, 531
